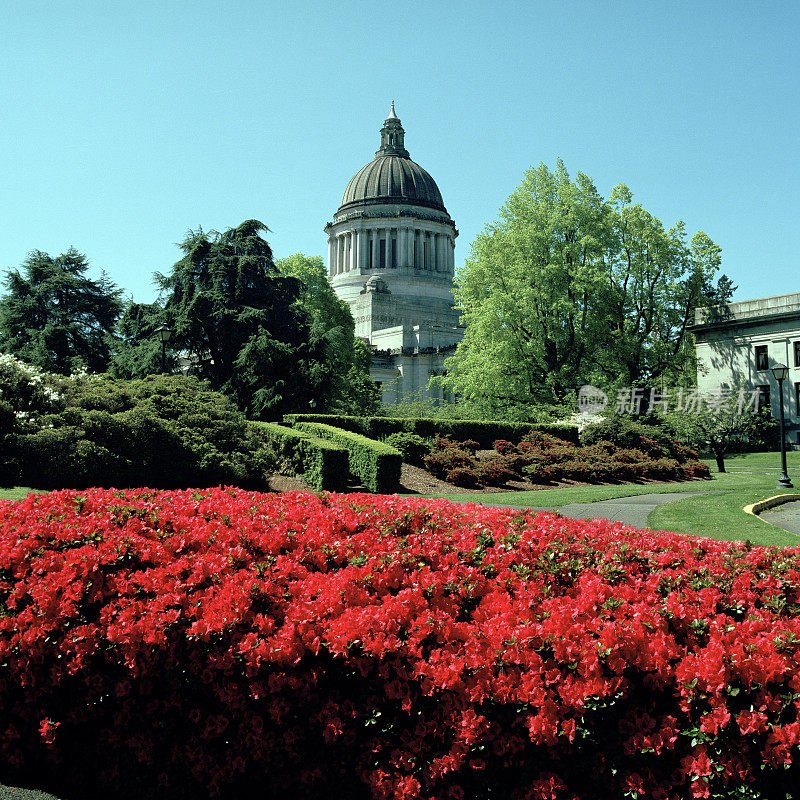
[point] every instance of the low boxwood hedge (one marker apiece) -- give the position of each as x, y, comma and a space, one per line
485, 432
376, 464
320, 463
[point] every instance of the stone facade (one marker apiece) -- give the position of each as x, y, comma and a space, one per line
738, 344
391, 259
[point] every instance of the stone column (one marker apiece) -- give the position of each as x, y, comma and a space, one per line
388, 247
375, 249
351, 251
336, 255
362, 249
330, 256
401, 247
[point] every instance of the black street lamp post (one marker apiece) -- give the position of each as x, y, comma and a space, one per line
163, 334
780, 371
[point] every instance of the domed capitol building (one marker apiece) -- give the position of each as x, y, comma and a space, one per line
391, 258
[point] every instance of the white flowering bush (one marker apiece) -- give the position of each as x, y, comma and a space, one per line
27, 397
25, 390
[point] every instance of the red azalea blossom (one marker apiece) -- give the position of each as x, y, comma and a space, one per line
201, 640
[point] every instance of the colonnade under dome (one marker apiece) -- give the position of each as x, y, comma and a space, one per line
388, 248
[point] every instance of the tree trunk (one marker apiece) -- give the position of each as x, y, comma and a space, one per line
720, 462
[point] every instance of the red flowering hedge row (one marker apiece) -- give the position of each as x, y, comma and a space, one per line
543, 459
191, 643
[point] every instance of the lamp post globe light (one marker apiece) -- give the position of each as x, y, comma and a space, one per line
780, 372
163, 334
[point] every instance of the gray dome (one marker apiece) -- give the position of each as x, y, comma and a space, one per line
392, 179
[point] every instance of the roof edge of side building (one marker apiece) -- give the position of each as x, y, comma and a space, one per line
744, 312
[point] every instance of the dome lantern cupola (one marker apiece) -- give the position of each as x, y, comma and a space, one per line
392, 137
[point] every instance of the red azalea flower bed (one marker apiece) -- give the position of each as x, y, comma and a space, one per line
543, 459
190, 644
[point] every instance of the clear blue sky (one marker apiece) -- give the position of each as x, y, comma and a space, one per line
125, 124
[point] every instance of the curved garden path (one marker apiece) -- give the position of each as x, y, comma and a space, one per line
786, 516
630, 510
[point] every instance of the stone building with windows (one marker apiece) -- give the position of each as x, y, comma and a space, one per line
391, 259
738, 344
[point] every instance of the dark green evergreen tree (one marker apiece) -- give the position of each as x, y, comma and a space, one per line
138, 349
237, 320
54, 317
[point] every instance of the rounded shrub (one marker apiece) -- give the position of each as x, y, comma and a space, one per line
465, 477
414, 448
494, 471
166, 431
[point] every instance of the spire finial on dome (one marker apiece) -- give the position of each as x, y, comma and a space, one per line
392, 135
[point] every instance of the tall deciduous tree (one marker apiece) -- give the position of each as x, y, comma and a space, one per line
347, 359
568, 288
655, 280
55, 317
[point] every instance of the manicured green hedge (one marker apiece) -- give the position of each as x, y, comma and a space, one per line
485, 432
371, 427
376, 464
320, 463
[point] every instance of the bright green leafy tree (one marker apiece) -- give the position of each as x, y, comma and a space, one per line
568, 288
55, 317
347, 359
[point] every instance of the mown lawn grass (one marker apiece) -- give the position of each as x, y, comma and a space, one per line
760, 462
721, 516
16, 492
752, 477
552, 498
